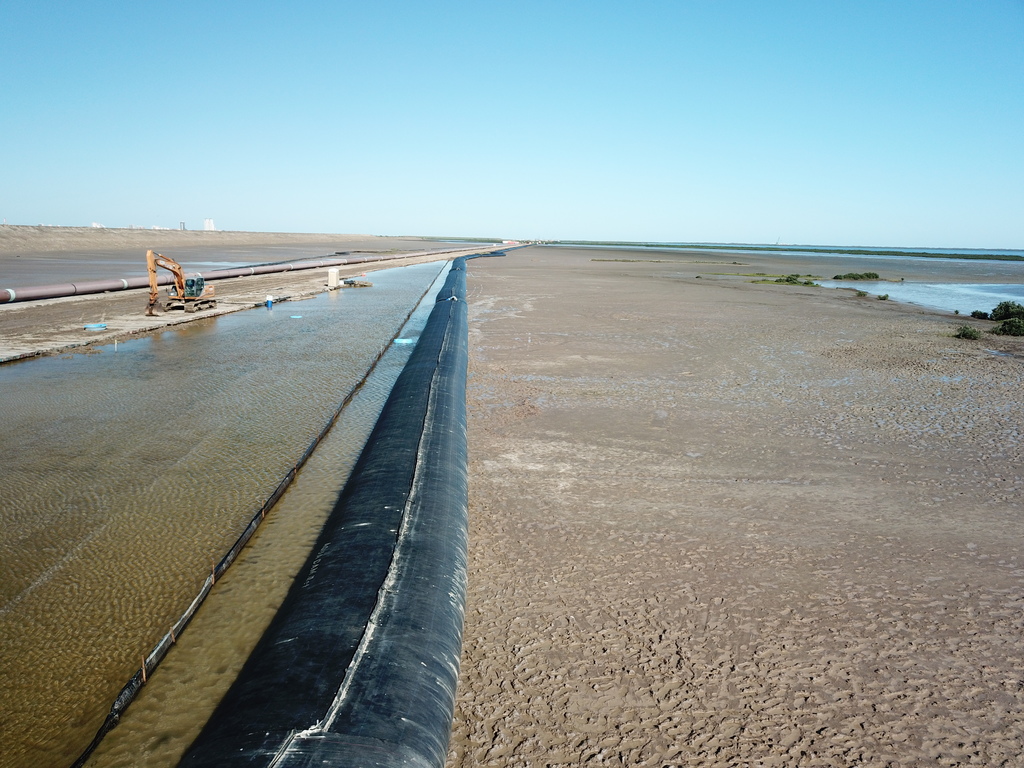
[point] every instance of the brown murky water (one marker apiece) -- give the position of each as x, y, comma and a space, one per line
127, 472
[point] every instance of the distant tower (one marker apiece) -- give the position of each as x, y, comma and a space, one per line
181, 225
208, 225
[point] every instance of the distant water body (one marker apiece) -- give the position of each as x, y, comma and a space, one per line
942, 283
845, 251
946, 297
862, 250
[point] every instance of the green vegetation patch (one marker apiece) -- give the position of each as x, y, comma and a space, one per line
858, 276
749, 274
1008, 310
1012, 327
790, 280
649, 261
967, 332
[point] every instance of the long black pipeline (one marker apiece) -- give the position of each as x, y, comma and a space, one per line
360, 664
82, 287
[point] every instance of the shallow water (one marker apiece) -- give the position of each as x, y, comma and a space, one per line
910, 268
947, 297
171, 710
128, 472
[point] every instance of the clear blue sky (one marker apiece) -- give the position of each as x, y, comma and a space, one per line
854, 122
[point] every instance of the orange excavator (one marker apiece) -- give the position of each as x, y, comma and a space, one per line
190, 294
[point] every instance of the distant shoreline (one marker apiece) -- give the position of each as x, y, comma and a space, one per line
812, 249
16, 238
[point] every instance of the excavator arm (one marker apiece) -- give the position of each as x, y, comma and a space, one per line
154, 260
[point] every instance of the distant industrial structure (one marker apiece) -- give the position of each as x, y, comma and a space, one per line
208, 225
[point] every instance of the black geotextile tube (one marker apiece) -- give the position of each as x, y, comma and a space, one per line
360, 664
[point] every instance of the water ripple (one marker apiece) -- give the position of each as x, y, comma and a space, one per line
127, 473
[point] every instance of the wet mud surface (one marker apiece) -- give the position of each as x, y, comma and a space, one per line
723, 524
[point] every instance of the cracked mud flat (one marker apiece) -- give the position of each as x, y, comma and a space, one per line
723, 524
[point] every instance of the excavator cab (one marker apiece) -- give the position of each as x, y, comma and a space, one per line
194, 286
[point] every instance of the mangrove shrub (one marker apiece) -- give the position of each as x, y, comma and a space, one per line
794, 280
857, 276
1005, 310
1012, 327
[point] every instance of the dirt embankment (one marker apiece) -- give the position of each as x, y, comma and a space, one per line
21, 239
56, 325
